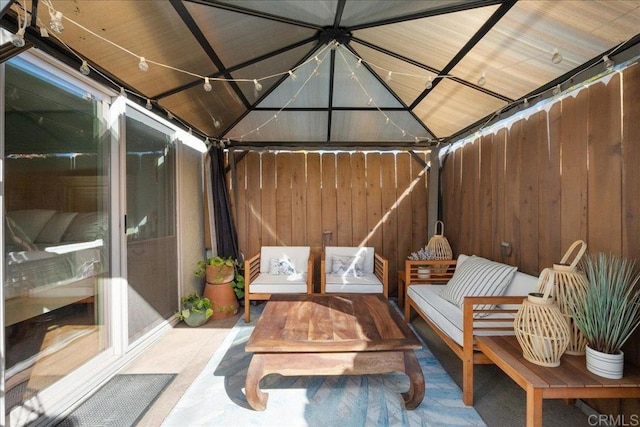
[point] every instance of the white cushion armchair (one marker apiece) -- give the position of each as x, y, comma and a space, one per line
277, 270
353, 270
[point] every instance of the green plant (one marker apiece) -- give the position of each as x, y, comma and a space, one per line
194, 304
609, 311
216, 261
238, 283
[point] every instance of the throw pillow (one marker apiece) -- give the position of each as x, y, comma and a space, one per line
16, 240
347, 265
281, 266
478, 277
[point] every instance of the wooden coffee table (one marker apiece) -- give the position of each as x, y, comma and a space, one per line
570, 380
337, 334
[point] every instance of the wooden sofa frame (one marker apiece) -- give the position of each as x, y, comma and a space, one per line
380, 269
468, 353
251, 272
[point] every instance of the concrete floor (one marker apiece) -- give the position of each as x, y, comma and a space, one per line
185, 351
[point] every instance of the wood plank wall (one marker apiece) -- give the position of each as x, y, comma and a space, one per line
362, 198
568, 173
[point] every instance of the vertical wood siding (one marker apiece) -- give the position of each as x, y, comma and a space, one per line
564, 173
363, 199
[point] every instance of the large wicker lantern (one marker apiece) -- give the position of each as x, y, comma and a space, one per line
568, 284
540, 327
438, 244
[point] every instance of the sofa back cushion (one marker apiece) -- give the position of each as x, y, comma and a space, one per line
31, 221
364, 257
477, 276
298, 256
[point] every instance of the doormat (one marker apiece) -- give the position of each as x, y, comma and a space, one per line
121, 402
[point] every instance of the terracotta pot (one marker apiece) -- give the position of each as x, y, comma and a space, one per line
219, 273
223, 299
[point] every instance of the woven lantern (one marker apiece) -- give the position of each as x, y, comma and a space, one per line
439, 245
569, 284
540, 327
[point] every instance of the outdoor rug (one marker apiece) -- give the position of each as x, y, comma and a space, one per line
216, 397
121, 402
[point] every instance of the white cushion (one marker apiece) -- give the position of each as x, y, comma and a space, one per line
367, 253
299, 256
279, 284
55, 228
31, 221
448, 317
477, 276
366, 284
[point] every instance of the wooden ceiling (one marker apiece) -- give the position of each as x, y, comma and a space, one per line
363, 73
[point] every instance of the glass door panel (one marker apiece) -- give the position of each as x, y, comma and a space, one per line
152, 270
56, 223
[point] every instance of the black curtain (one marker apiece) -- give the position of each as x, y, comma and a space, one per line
226, 237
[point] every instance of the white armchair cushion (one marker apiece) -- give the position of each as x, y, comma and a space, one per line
298, 256
279, 284
366, 283
366, 253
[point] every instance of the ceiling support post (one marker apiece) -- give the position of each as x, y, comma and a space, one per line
433, 199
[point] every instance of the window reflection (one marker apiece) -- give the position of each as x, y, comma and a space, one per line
56, 229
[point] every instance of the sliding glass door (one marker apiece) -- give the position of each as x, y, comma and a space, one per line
152, 270
56, 228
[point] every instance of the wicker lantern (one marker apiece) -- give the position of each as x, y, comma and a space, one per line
439, 245
568, 284
540, 327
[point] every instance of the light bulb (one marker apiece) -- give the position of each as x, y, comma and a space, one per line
608, 63
404, 133
169, 115
353, 75
292, 75
359, 62
316, 73
190, 131
317, 60
386, 122
526, 103
56, 22
429, 83
275, 117
389, 76
482, 80
123, 93
416, 140
556, 90
256, 85
556, 57
207, 86
370, 101
18, 38
216, 123
142, 65
84, 68
148, 105
44, 32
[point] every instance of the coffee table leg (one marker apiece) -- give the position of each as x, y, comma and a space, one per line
257, 398
414, 396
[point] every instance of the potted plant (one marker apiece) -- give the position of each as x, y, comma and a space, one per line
423, 254
224, 284
196, 310
608, 312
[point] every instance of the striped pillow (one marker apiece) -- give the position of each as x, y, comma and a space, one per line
477, 276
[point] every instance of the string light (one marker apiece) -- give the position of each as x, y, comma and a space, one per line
207, 86
608, 63
556, 57
56, 21
43, 32
429, 84
84, 68
142, 65
317, 60
256, 85
359, 64
370, 101
482, 80
292, 75
170, 115
123, 93
388, 79
556, 90
216, 123
526, 103
148, 105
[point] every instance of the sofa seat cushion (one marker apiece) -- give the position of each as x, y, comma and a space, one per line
279, 284
448, 317
477, 276
367, 283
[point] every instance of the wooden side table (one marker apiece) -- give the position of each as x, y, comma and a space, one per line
570, 380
